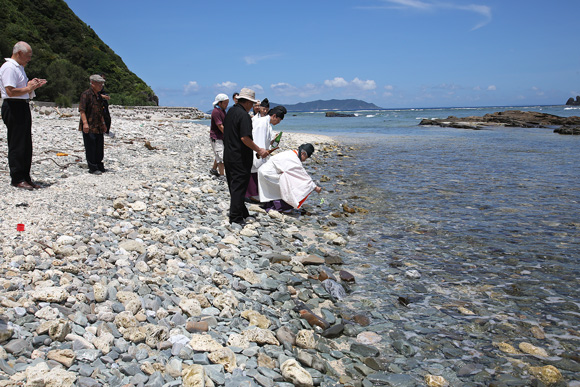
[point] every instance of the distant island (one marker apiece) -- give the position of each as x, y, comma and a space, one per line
333, 104
572, 102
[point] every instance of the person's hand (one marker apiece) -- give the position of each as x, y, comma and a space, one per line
85, 127
105, 96
263, 153
318, 189
35, 83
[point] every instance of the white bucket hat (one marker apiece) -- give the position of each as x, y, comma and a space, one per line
220, 98
248, 94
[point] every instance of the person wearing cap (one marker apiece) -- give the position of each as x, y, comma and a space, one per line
216, 133
263, 135
16, 91
92, 124
238, 155
283, 182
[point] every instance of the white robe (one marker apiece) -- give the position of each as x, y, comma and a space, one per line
284, 177
262, 134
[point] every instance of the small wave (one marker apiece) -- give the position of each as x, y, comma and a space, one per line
370, 115
572, 108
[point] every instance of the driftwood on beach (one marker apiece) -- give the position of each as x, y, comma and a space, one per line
511, 118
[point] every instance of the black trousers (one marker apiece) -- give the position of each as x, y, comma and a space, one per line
238, 177
16, 115
94, 150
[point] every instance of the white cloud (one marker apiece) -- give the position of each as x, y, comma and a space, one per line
191, 87
336, 82
411, 3
389, 87
447, 86
354, 84
254, 59
288, 90
483, 10
435, 5
364, 85
538, 91
227, 85
256, 88
491, 88
282, 87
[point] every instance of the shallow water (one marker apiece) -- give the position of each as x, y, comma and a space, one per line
491, 220
483, 196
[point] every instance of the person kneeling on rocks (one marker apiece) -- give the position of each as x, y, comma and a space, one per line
283, 182
93, 125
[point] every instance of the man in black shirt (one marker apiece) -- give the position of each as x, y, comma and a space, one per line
238, 147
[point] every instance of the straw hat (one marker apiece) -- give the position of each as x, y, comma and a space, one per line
248, 94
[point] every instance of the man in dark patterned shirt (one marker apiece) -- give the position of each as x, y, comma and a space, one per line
93, 125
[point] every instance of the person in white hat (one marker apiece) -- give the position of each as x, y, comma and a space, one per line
216, 133
238, 155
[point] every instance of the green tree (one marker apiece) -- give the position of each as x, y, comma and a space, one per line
66, 51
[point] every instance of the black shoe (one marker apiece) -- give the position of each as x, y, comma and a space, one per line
34, 185
96, 172
24, 185
214, 172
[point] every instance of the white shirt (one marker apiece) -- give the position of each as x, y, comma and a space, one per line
262, 134
12, 74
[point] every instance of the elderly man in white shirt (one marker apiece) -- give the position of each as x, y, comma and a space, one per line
16, 91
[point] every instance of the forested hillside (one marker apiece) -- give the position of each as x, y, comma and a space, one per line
65, 52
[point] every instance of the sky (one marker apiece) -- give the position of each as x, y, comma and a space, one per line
393, 53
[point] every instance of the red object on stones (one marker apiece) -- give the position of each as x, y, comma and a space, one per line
19, 227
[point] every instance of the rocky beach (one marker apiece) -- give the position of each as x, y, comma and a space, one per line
136, 278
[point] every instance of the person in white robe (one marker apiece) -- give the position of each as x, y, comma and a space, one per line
263, 135
283, 177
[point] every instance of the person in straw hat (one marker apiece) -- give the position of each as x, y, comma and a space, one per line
238, 155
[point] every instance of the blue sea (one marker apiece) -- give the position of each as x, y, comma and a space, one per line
490, 219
